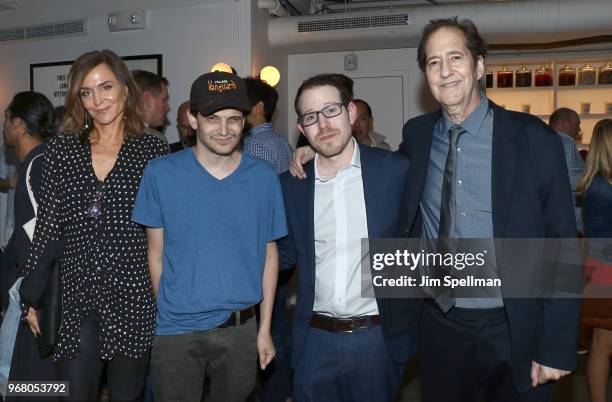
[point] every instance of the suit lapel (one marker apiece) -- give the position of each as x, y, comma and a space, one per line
371, 187
504, 159
306, 198
418, 150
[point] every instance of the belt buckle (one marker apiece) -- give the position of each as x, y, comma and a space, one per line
351, 325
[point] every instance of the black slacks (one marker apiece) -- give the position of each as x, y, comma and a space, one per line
125, 376
466, 352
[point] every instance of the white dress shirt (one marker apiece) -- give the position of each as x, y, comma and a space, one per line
340, 223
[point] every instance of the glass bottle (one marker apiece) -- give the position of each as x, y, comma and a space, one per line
489, 79
605, 73
505, 78
543, 76
567, 76
523, 77
586, 74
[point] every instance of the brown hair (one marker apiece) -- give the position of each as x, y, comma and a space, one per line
599, 159
473, 40
149, 82
341, 82
76, 118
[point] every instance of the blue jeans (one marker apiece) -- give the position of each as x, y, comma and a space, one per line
8, 334
345, 367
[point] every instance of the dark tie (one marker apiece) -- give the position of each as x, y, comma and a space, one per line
448, 213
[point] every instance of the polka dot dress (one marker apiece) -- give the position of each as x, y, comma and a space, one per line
104, 265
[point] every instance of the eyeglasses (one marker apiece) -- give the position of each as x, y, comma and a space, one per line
329, 111
95, 208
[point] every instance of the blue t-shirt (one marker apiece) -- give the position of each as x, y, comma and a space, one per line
215, 235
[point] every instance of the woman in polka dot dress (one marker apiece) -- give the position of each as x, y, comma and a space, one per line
91, 174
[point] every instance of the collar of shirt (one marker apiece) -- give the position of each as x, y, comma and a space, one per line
33, 152
567, 136
354, 163
376, 138
262, 128
472, 123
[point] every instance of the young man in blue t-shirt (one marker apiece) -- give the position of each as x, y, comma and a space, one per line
212, 215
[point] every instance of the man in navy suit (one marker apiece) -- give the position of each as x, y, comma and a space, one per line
345, 347
507, 178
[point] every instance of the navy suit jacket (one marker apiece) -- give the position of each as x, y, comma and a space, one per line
383, 174
531, 198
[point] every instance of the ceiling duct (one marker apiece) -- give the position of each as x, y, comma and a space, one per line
5, 7
44, 31
370, 21
529, 21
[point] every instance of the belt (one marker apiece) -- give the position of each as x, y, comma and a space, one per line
238, 317
332, 324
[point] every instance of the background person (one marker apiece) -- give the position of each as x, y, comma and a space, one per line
29, 123
263, 142
155, 101
566, 123
363, 128
595, 189
187, 135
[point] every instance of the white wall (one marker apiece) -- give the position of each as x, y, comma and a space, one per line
398, 63
190, 38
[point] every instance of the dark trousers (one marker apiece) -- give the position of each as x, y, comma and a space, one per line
467, 349
346, 367
125, 376
227, 356
276, 378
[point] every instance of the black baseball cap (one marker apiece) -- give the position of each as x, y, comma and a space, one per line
219, 90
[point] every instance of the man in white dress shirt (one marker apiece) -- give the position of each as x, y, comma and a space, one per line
346, 347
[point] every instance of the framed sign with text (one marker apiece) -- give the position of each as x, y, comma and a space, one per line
51, 79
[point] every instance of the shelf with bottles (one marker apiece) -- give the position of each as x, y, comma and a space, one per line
518, 76
553, 75
587, 74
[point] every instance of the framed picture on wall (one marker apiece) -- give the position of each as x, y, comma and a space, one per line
51, 79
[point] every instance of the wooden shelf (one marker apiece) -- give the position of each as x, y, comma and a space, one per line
554, 88
596, 116
585, 87
521, 89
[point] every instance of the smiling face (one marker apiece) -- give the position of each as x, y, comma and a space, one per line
102, 95
218, 133
451, 72
329, 136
